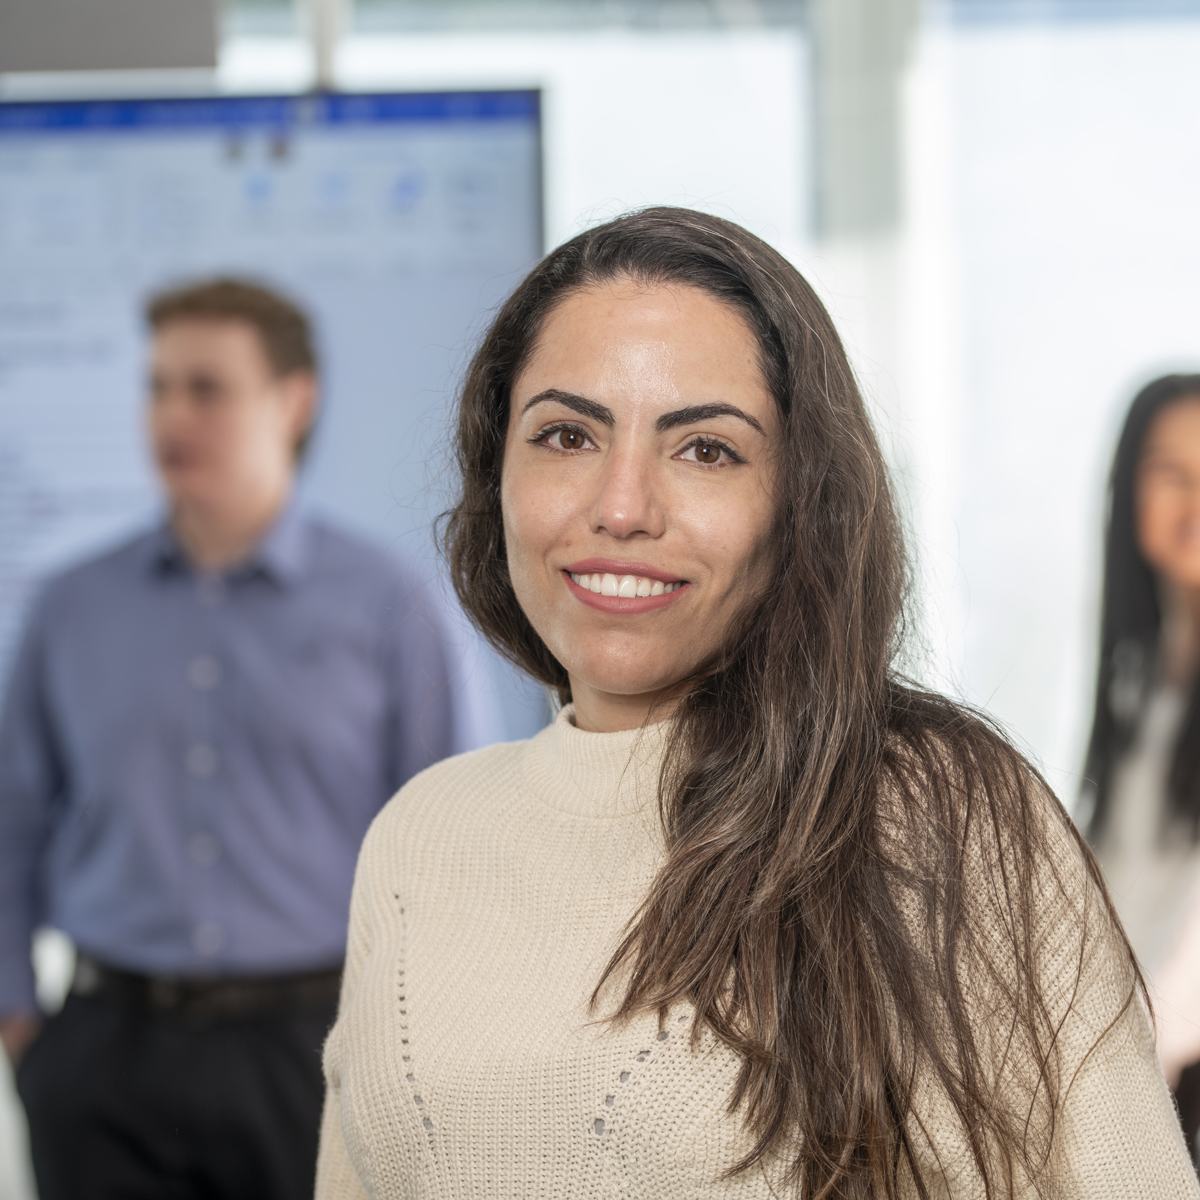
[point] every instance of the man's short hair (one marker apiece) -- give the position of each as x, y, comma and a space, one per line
283, 328
282, 325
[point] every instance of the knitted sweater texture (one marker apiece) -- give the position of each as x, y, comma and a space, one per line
466, 1061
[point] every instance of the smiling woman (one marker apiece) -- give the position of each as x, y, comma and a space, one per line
755, 916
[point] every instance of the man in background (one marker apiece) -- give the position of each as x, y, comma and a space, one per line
199, 728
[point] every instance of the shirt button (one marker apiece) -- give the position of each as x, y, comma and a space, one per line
204, 849
207, 937
204, 672
201, 760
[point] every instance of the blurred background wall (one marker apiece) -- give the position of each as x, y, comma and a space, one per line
996, 198
1052, 171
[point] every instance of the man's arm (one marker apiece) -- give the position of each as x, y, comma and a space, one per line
442, 696
30, 780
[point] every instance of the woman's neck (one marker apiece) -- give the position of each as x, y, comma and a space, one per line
1179, 648
597, 711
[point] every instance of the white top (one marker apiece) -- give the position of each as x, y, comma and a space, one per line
465, 1061
1151, 863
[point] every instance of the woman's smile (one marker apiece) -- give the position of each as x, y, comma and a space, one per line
612, 589
625, 586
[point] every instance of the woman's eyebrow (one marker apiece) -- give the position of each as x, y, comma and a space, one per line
579, 404
671, 420
704, 412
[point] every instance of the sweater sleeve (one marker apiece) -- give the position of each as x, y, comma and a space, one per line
336, 1176
1119, 1133
1177, 997
1113, 1133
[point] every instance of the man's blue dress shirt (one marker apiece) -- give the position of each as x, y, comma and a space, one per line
189, 762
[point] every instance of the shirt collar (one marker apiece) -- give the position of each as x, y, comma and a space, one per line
281, 555
283, 552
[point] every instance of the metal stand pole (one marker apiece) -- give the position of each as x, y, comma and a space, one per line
323, 21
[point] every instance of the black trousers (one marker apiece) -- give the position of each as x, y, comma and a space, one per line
125, 1103
1187, 1099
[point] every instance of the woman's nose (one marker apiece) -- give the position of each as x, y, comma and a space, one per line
626, 501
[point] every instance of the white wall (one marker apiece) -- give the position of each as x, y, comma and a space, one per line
1054, 253
713, 120
1047, 267
1043, 272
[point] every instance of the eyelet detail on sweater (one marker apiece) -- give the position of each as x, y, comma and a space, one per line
410, 1077
599, 1125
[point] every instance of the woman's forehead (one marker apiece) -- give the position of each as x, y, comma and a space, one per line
1174, 428
623, 303
625, 339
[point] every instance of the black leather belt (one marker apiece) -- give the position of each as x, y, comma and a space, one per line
189, 997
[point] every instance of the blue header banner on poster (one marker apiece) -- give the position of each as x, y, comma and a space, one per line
271, 112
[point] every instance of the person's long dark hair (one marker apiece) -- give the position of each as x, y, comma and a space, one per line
853, 895
1130, 625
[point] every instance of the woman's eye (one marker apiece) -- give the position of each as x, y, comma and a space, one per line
563, 438
709, 454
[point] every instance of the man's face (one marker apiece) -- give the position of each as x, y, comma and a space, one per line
223, 426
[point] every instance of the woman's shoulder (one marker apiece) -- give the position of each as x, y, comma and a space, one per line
961, 770
974, 837
458, 783
959, 804
455, 798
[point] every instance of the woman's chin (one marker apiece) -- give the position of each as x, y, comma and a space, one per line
631, 686
1182, 574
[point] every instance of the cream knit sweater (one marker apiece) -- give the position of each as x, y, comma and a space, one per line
465, 1061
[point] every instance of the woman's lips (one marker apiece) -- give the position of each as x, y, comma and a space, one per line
626, 604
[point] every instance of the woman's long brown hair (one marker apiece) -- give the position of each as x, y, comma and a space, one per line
854, 866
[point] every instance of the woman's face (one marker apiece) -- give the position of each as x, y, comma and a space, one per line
1168, 494
637, 489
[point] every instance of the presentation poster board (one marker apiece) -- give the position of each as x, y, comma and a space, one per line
399, 221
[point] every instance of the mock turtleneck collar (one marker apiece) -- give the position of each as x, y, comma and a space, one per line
601, 775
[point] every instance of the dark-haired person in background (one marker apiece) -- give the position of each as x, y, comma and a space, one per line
200, 726
1141, 804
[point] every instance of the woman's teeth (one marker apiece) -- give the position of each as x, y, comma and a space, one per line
624, 585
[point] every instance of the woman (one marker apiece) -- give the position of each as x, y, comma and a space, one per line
753, 917
1144, 760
